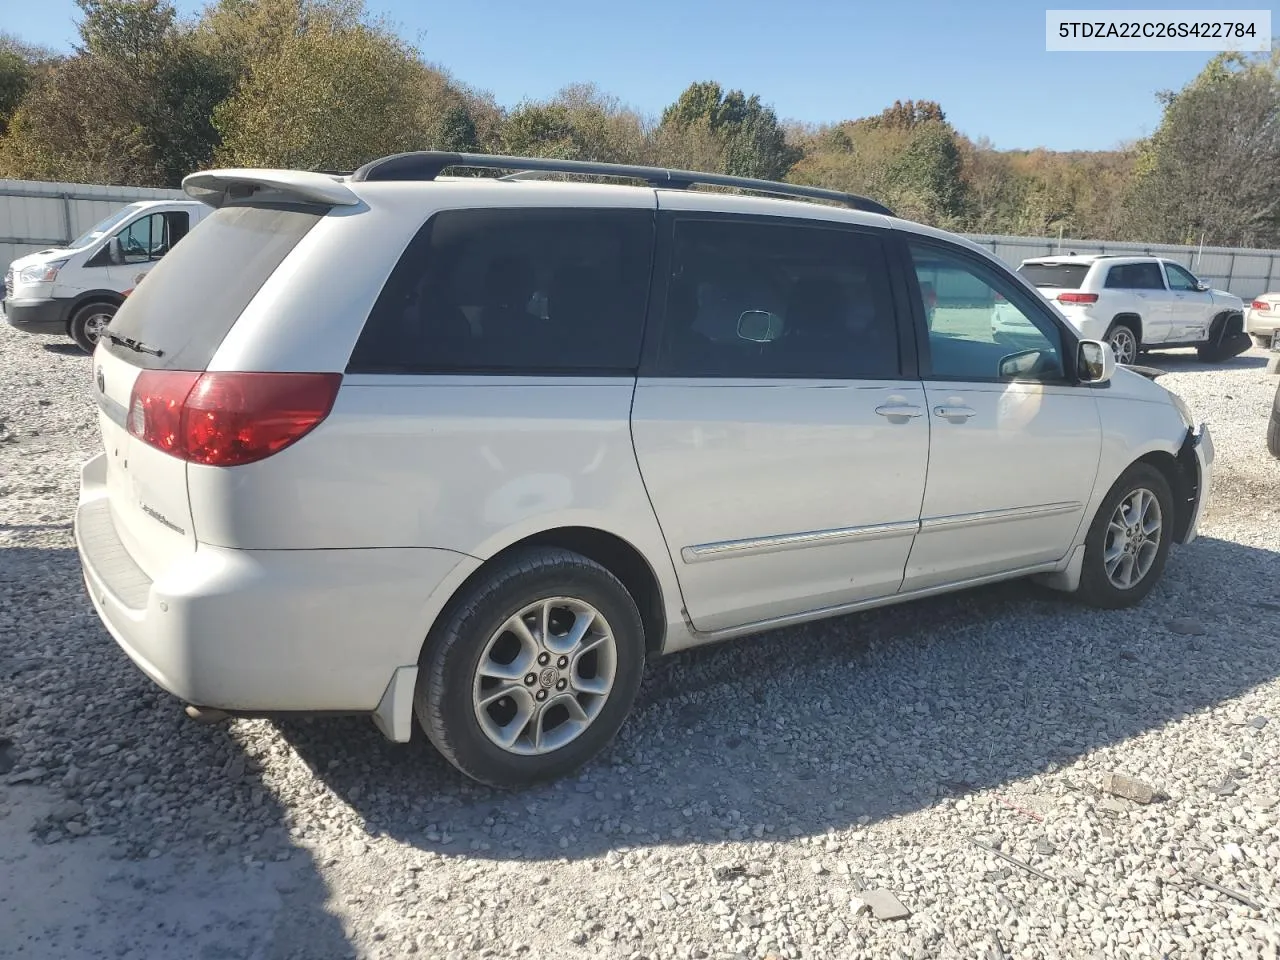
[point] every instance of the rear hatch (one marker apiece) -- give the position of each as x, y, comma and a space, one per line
151, 359
1051, 279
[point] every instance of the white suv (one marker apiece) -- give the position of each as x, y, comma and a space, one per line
1135, 304
473, 449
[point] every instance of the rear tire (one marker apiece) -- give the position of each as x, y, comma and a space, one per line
89, 322
1273, 433
1125, 342
543, 721
1128, 542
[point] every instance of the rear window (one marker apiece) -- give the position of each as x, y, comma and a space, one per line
1069, 276
192, 298
514, 291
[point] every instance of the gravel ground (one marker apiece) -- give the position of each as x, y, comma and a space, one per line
951, 753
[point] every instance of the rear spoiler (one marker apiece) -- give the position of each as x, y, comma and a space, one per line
218, 187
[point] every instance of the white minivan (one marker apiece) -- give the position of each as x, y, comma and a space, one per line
472, 450
77, 289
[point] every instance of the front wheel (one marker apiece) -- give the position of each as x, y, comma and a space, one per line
1124, 343
1128, 543
531, 672
89, 323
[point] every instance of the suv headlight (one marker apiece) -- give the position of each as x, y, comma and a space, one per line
1183, 410
41, 272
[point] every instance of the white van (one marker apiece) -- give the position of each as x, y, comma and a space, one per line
473, 450
77, 289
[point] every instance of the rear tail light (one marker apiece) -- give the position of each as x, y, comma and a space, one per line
226, 419
1259, 305
1077, 298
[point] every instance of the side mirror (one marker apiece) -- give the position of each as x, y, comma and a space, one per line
1024, 363
1201, 286
1095, 362
117, 251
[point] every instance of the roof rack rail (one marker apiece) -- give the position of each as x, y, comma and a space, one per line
429, 164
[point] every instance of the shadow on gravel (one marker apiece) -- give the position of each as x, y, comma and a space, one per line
867, 716
1186, 361
188, 852
790, 734
66, 349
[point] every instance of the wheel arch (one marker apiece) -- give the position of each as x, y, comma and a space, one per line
618, 556
1181, 473
1129, 319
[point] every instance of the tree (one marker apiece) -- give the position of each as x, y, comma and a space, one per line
579, 123
332, 96
20, 66
132, 105
1211, 170
456, 131
752, 141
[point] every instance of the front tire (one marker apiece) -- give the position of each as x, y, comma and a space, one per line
1124, 343
88, 324
531, 671
1128, 542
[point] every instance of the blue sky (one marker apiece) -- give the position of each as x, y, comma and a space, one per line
813, 60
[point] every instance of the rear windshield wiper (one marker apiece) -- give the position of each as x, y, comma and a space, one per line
135, 345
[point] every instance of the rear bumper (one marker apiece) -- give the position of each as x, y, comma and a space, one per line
261, 631
37, 316
1257, 322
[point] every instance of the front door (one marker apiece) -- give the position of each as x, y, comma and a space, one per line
1015, 442
783, 450
1192, 308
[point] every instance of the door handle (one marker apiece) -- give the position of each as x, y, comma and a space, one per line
899, 412
955, 414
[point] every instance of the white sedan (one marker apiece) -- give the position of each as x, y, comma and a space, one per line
1262, 318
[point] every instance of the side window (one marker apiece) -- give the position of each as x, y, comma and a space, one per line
1135, 276
777, 300
524, 291
178, 222
146, 239
981, 326
1179, 279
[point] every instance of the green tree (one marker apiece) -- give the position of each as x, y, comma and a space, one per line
332, 97
21, 65
130, 106
579, 123
752, 140
1211, 170
456, 131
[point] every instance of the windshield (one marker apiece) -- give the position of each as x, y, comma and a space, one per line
1068, 275
95, 232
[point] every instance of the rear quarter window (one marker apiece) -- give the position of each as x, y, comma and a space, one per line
514, 291
1068, 276
192, 298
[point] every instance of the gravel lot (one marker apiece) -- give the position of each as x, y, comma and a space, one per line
759, 788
